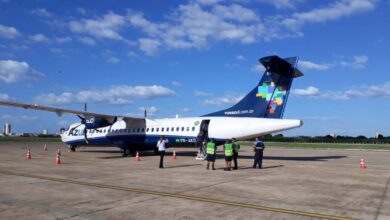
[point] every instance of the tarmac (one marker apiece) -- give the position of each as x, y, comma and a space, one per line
98, 183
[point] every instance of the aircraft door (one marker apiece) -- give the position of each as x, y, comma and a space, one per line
203, 135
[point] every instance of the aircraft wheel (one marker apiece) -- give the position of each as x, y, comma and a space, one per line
72, 148
126, 152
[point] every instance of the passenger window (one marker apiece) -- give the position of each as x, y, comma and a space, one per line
167, 129
182, 128
193, 128
143, 130
138, 129
177, 128
188, 128
172, 129
156, 129
152, 129
147, 129
162, 129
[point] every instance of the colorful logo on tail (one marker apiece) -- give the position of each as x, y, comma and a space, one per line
275, 96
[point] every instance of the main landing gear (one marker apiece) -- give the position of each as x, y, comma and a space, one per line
127, 152
72, 148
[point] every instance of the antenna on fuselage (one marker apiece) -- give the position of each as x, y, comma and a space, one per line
85, 106
145, 113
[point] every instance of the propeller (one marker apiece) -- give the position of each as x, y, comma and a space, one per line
83, 121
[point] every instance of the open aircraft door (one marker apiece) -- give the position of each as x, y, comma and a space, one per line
201, 140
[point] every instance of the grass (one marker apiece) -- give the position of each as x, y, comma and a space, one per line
322, 145
30, 139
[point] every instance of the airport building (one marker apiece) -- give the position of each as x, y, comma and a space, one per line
45, 132
7, 129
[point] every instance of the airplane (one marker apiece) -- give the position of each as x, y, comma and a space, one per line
259, 113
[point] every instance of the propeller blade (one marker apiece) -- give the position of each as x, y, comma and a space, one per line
85, 135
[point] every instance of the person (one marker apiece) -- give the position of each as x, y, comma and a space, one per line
161, 144
211, 152
258, 148
228, 150
236, 148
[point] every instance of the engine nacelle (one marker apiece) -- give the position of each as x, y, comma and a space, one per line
95, 122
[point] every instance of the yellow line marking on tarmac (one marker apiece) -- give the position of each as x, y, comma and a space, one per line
180, 196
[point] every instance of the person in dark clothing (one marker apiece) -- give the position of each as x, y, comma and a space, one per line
161, 145
258, 148
236, 148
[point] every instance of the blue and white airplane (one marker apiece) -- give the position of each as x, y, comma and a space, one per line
258, 113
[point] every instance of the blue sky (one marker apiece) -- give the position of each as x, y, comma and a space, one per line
195, 57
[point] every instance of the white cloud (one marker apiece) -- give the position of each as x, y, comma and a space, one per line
258, 68
191, 26
42, 12
132, 54
176, 83
107, 26
235, 12
113, 60
149, 46
115, 95
283, 3
333, 11
312, 66
364, 91
358, 62
63, 39
87, 41
185, 109
81, 11
18, 118
309, 91
321, 118
196, 24
150, 111
208, 2
227, 99
39, 38
4, 97
202, 93
12, 71
148, 27
8, 32
56, 50
240, 57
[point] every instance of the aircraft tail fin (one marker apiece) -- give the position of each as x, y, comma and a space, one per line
269, 98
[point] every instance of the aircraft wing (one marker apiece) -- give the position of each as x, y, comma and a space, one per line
61, 111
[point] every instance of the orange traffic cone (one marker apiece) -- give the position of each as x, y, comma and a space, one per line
362, 164
58, 158
137, 157
174, 155
45, 148
28, 155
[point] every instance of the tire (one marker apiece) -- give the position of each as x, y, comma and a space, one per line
126, 152
72, 148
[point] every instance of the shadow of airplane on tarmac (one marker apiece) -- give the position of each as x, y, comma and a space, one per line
219, 155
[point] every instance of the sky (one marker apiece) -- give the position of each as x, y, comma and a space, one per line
190, 58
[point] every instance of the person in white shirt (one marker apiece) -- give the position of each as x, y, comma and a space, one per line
161, 149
